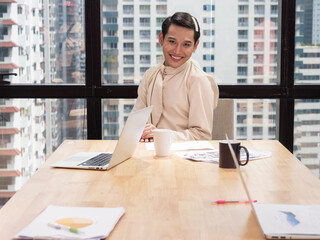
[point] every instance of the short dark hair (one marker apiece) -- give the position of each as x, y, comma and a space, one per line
182, 19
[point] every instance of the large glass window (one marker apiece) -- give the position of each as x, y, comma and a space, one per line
255, 119
307, 72
307, 133
114, 114
30, 130
239, 48
51, 42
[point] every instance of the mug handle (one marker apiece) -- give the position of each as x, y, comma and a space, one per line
247, 153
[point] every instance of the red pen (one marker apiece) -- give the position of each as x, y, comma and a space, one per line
231, 201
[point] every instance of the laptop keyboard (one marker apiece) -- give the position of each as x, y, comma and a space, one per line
99, 160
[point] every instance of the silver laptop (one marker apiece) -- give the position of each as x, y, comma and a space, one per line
124, 149
283, 221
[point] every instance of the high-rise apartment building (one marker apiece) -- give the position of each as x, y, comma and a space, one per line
307, 71
22, 126
32, 128
130, 45
316, 22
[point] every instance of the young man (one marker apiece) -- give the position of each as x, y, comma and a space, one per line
182, 95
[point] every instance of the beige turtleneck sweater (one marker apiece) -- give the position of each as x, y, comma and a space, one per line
183, 100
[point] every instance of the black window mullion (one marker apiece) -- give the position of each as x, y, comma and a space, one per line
287, 48
251, 91
93, 68
43, 91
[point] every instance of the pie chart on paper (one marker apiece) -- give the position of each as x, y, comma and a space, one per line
75, 222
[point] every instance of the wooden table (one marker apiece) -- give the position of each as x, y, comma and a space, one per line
165, 198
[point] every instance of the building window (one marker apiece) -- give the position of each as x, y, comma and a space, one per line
259, 22
241, 119
273, 34
128, 59
144, 9
144, 34
258, 71
208, 44
273, 58
127, 108
128, 22
128, 34
208, 7
159, 21
258, 58
145, 59
127, 72
128, 9
243, 34
258, 46
242, 80
111, 33
243, 22
242, 58
161, 9
274, 9
259, 34
242, 71
128, 47
208, 69
243, 9
143, 70
242, 131
274, 22
208, 20
257, 131
242, 46
208, 57
145, 47
145, 22
208, 32
111, 20
20, 10
259, 9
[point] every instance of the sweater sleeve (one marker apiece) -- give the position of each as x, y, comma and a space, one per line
142, 101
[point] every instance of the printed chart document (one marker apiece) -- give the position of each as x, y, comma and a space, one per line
213, 155
57, 222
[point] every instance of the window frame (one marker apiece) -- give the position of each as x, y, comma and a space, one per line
94, 91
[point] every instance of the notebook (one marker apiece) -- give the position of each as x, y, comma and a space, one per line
283, 221
126, 145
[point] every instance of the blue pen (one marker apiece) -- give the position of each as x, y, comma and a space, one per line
63, 227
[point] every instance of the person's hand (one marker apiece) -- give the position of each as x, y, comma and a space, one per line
147, 134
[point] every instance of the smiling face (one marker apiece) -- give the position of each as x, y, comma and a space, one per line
177, 45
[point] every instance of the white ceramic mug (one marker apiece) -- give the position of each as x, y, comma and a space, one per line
162, 141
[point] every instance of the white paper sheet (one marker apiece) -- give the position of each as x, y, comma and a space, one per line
190, 145
104, 220
289, 219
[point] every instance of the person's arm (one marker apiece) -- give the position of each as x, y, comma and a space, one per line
201, 98
143, 91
